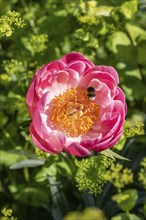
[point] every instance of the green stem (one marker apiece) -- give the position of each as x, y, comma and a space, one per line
26, 174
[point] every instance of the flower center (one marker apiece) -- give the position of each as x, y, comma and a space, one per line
73, 113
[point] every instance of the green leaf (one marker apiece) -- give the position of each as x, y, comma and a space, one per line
64, 169
129, 8
133, 83
58, 199
30, 195
45, 172
9, 158
120, 144
27, 163
103, 10
117, 38
141, 53
113, 155
124, 216
126, 200
135, 32
81, 34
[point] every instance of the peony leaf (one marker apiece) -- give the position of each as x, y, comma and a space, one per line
141, 52
126, 200
45, 172
27, 163
116, 39
133, 83
129, 8
9, 158
31, 195
113, 155
124, 216
135, 32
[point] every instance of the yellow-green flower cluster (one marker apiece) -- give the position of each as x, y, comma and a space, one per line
142, 173
6, 214
90, 175
88, 9
41, 154
132, 129
35, 43
88, 19
88, 213
90, 12
13, 66
119, 176
7, 23
14, 70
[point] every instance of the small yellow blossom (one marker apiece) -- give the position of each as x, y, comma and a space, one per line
119, 176
132, 129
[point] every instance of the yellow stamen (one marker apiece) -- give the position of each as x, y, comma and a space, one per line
73, 113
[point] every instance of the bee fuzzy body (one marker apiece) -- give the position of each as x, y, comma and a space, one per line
91, 93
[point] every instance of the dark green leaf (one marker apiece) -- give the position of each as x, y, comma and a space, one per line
27, 163
124, 216
126, 200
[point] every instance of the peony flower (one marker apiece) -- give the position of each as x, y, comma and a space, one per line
75, 106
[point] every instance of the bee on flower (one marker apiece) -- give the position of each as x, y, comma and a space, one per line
75, 106
91, 93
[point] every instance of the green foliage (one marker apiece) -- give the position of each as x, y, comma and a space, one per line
111, 154
124, 216
133, 129
128, 9
119, 176
8, 22
6, 214
88, 213
126, 200
142, 173
44, 186
35, 43
90, 176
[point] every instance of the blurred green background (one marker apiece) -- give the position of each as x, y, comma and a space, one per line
32, 33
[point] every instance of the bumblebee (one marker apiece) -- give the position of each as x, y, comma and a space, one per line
91, 93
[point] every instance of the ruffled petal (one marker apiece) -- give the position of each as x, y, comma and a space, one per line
75, 56
50, 67
30, 94
77, 150
108, 143
32, 98
120, 96
111, 71
78, 66
42, 143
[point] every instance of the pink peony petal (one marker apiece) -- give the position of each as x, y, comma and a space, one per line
78, 66
72, 78
77, 150
53, 66
121, 96
111, 71
108, 143
75, 56
90, 140
41, 143
30, 94
31, 98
